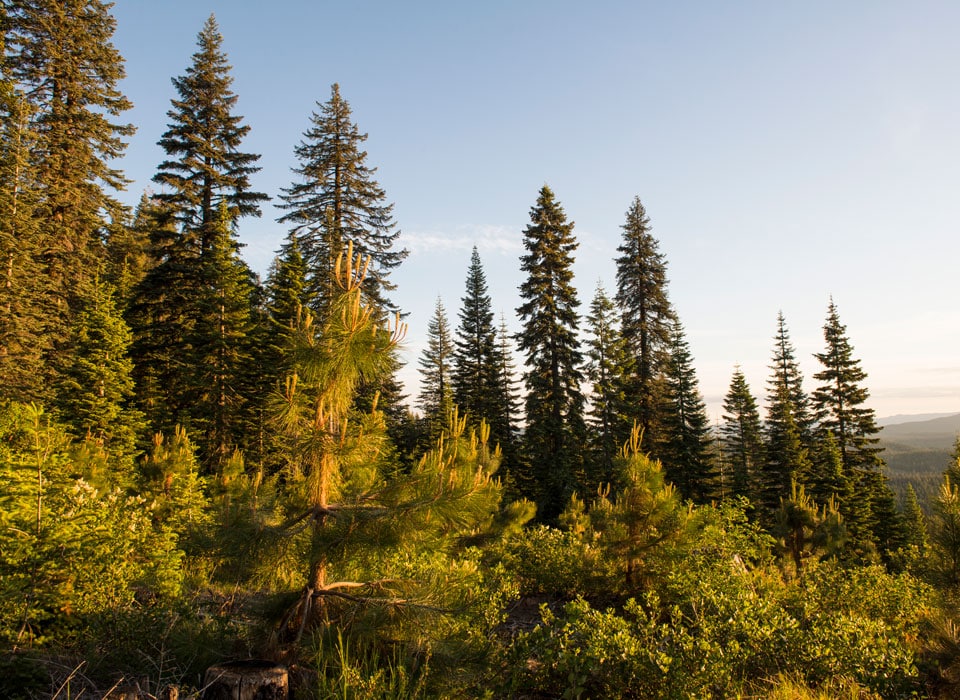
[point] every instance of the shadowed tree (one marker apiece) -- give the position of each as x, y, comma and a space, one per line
436, 395
648, 319
555, 432
741, 436
607, 369
686, 441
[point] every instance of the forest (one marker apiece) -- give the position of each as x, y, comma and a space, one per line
201, 465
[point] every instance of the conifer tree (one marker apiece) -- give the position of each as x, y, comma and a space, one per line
784, 371
222, 352
741, 436
648, 318
607, 369
505, 420
686, 441
26, 304
337, 200
788, 461
205, 165
554, 404
915, 521
128, 251
96, 388
838, 401
436, 395
60, 54
206, 190
839, 407
476, 361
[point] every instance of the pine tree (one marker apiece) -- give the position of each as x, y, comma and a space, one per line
785, 371
222, 352
436, 395
96, 388
206, 181
607, 369
788, 461
59, 53
686, 441
128, 251
337, 201
205, 165
554, 435
505, 420
915, 522
26, 308
648, 318
741, 436
838, 401
838, 405
476, 360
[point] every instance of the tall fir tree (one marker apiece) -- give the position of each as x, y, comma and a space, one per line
787, 459
436, 394
475, 361
205, 164
179, 347
607, 369
838, 403
686, 438
648, 318
741, 438
61, 56
785, 371
839, 400
26, 311
337, 200
555, 429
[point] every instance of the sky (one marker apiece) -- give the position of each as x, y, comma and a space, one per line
786, 153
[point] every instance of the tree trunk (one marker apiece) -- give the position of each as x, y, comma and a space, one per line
246, 680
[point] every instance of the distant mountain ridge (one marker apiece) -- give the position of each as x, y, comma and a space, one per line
912, 418
918, 451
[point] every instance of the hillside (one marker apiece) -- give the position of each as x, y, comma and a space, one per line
917, 452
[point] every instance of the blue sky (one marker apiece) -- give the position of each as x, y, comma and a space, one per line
785, 152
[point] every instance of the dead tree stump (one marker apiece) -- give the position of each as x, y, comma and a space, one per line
246, 680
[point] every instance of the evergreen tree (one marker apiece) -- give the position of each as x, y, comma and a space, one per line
838, 405
915, 522
59, 53
337, 201
788, 461
222, 352
688, 461
648, 318
555, 430
26, 311
476, 360
607, 368
128, 251
741, 436
96, 388
505, 420
205, 165
206, 181
838, 401
436, 395
785, 371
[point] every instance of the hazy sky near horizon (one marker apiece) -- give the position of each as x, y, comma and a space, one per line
785, 153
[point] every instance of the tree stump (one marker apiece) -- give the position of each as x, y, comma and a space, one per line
246, 680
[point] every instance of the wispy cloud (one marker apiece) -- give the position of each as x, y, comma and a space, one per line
487, 237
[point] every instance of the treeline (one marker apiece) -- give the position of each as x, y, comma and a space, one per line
200, 464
